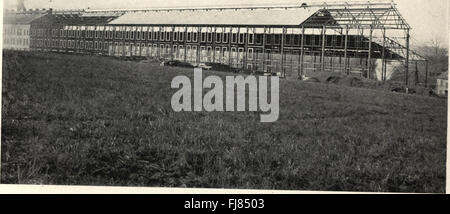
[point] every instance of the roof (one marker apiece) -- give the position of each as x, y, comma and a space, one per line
443, 76
77, 19
21, 18
294, 16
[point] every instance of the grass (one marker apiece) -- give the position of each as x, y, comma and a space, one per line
84, 120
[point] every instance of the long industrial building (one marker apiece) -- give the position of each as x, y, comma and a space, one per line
358, 38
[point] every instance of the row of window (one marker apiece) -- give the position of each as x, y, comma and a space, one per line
308, 41
90, 45
15, 31
204, 37
71, 44
16, 41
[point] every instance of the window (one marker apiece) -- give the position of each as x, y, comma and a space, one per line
339, 41
234, 38
175, 36
138, 35
210, 37
241, 38
259, 38
161, 48
218, 37
217, 51
194, 49
161, 36
277, 39
251, 38
297, 40
317, 40
132, 35
81, 45
181, 36
167, 36
167, 49
203, 37
189, 36
250, 54
308, 40
330, 40
194, 39
127, 36
288, 39
150, 34
225, 38
209, 52
175, 47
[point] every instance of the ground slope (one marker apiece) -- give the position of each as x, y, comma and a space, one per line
99, 121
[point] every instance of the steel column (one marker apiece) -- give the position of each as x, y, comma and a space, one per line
345, 51
302, 52
407, 59
322, 57
369, 58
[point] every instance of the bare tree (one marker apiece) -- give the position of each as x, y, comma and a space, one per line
437, 46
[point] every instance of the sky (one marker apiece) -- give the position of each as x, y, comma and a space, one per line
429, 19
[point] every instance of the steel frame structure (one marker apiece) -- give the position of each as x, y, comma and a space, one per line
344, 32
364, 17
371, 17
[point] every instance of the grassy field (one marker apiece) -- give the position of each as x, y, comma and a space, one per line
84, 120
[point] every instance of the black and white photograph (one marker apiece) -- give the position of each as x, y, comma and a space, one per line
269, 95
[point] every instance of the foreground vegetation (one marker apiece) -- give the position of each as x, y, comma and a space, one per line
84, 120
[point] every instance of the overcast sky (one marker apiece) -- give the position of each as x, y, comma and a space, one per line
428, 18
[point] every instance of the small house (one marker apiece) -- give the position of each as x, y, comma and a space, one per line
442, 84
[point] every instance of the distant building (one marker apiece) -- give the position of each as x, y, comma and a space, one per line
442, 84
17, 29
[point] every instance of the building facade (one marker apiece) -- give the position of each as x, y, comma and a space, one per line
290, 42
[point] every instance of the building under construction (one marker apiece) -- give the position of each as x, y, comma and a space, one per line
366, 39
